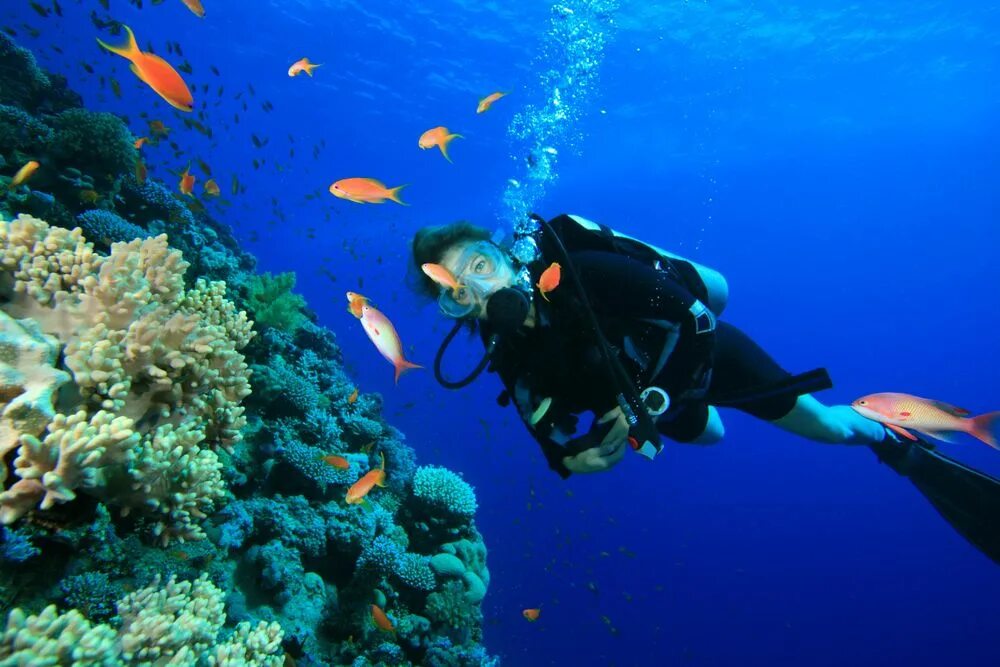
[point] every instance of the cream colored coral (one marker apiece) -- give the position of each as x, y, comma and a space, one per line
28, 382
73, 455
159, 622
176, 479
250, 646
175, 624
51, 638
140, 348
44, 261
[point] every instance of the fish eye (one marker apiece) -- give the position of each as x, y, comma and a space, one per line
862, 402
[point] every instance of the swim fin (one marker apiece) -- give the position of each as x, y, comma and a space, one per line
966, 498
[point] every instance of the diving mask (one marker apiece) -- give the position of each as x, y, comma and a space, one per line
481, 269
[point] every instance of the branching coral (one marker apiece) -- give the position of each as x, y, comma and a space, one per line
155, 369
176, 624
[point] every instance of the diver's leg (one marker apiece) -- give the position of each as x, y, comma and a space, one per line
837, 424
714, 429
716, 285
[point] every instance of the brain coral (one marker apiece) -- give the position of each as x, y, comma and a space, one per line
155, 374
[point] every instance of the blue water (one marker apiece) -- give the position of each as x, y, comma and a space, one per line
837, 163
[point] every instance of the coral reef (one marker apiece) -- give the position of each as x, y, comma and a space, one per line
156, 377
155, 510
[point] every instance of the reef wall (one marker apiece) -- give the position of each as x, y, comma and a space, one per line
158, 504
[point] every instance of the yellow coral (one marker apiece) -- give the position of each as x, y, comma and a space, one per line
155, 363
177, 623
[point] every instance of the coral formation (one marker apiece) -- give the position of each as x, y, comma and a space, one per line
177, 624
156, 374
132, 452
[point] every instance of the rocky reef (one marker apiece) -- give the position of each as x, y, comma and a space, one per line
158, 505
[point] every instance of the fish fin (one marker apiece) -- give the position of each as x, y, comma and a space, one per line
901, 431
946, 436
950, 409
129, 49
444, 150
310, 67
986, 428
394, 194
404, 365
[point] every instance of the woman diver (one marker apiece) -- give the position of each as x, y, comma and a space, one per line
632, 334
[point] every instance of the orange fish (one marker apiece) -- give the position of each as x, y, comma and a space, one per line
24, 173
438, 136
155, 72
549, 280
365, 191
140, 142
158, 128
356, 494
195, 7
381, 332
531, 614
354, 303
441, 276
936, 419
187, 182
338, 462
487, 102
140, 172
353, 398
381, 620
211, 188
300, 66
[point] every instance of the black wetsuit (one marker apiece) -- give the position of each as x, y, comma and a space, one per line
643, 304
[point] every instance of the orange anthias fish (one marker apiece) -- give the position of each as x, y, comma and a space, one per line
303, 65
140, 172
140, 142
212, 188
438, 136
155, 72
365, 191
441, 276
386, 340
531, 614
356, 494
487, 102
24, 173
381, 620
353, 398
355, 302
336, 461
187, 182
549, 280
936, 419
195, 7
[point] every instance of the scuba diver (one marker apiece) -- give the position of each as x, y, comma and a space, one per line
631, 333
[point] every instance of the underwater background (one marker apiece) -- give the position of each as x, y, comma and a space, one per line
837, 162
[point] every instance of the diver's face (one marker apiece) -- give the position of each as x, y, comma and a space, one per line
481, 269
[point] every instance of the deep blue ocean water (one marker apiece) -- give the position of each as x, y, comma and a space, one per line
837, 162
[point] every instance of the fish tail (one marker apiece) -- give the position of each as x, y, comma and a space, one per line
394, 194
310, 67
130, 49
986, 428
402, 366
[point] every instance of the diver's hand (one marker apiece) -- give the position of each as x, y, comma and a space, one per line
608, 453
596, 459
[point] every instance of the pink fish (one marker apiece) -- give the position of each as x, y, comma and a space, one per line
900, 412
383, 334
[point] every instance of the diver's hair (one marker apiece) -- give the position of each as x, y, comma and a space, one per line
430, 243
